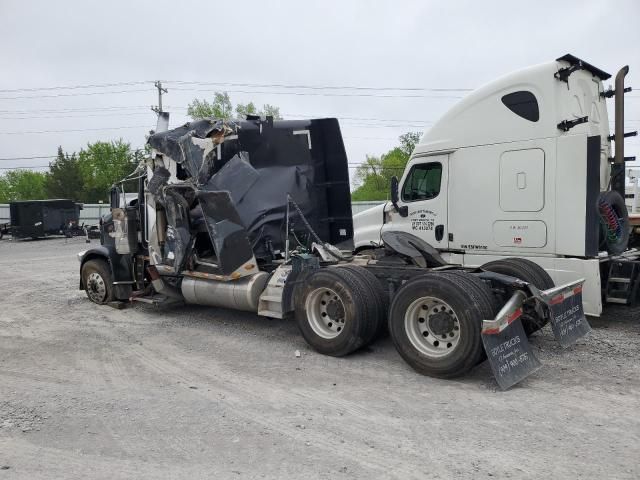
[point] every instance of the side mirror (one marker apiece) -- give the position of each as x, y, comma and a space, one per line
403, 211
114, 197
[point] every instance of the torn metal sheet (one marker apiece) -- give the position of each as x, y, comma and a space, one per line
237, 177
178, 236
199, 157
225, 229
255, 164
192, 144
158, 180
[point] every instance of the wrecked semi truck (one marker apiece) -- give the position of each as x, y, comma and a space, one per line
255, 215
523, 166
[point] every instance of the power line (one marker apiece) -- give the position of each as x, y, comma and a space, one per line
74, 87
9, 159
76, 130
24, 168
47, 166
145, 107
74, 94
125, 114
235, 84
319, 87
322, 94
86, 109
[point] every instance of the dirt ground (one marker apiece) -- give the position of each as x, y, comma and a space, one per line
194, 392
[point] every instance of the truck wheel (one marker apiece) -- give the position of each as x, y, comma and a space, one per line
479, 291
335, 311
381, 297
435, 325
529, 272
96, 278
481, 294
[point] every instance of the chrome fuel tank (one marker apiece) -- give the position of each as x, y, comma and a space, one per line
241, 294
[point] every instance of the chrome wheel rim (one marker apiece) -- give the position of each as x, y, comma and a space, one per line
432, 327
325, 312
96, 288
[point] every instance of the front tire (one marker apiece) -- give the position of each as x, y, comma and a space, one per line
435, 325
96, 279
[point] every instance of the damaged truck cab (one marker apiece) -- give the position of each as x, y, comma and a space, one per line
255, 215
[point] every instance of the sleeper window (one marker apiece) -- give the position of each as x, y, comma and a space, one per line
523, 104
423, 182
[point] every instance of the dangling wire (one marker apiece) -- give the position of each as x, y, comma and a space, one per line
291, 201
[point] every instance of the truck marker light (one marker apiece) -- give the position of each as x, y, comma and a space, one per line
557, 299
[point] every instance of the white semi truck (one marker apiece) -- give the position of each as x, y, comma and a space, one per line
523, 167
255, 215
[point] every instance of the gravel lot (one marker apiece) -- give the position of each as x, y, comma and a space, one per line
194, 392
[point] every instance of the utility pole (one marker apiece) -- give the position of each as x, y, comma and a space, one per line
161, 90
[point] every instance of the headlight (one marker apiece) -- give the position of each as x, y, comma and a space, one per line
81, 255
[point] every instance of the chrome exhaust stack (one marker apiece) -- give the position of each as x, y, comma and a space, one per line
617, 169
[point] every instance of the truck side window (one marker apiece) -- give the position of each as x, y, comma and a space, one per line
423, 182
523, 104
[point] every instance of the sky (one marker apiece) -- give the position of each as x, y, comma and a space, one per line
403, 52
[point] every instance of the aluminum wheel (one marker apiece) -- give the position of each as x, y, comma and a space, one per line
96, 288
325, 312
432, 327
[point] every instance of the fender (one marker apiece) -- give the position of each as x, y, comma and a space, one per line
414, 248
120, 266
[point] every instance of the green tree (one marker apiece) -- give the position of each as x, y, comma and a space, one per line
221, 107
271, 111
243, 110
373, 177
65, 177
22, 185
4, 189
102, 164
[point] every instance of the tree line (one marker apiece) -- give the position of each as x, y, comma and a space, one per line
85, 176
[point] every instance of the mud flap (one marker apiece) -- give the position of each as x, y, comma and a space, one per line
506, 344
567, 313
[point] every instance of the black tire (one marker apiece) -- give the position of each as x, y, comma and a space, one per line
482, 296
381, 298
531, 273
479, 291
614, 244
349, 301
96, 279
463, 314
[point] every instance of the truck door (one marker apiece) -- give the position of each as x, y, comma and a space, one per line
423, 190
